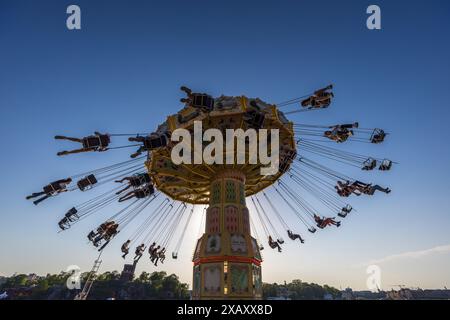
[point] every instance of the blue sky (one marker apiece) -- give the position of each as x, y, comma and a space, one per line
122, 71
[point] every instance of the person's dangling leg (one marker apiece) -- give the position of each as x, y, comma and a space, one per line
306, 102
126, 188
379, 188
137, 153
122, 180
136, 139
128, 196
35, 194
63, 153
69, 138
36, 202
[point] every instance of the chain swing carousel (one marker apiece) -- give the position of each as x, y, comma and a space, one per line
227, 257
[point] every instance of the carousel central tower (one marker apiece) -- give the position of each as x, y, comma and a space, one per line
227, 261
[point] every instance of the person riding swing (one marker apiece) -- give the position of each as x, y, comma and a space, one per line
340, 132
135, 181
72, 215
98, 142
151, 248
64, 224
154, 255
158, 255
320, 99
274, 244
294, 236
202, 101
369, 164
162, 255
345, 211
153, 141
140, 193
110, 232
97, 236
140, 249
51, 189
125, 248
324, 222
365, 188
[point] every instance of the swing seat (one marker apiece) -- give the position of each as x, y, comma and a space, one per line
72, 213
261, 247
52, 188
377, 136
348, 208
369, 164
306, 102
174, 255
312, 230
87, 182
273, 245
280, 240
91, 142
342, 214
155, 140
385, 165
203, 101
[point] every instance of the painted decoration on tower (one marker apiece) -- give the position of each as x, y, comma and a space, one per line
231, 219
241, 194
211, 278
238, 244
212, 220
196, 282
256, 251
230, 191
245, 220
197, 248
257, 284
213, 243
215, 193
239, 278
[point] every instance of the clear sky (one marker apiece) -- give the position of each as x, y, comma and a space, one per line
122, 71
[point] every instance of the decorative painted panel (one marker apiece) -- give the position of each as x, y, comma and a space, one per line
197, 248
211, 279
213, 244
241, 194
239, 278
196, 282
238, 244
230, 191
245, 221
256, 249
213, 220
215, 193
231, 219
257, 284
